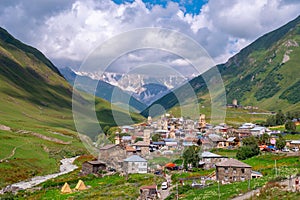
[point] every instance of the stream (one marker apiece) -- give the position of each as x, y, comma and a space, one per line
65, 167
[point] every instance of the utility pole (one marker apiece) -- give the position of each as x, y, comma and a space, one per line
290, 182
177, 191
219, 189
249, 184
275, 169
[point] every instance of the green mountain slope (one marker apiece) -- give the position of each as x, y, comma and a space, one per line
265, 74
36, 105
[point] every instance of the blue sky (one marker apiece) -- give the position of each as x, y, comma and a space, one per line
188, 6
67, 31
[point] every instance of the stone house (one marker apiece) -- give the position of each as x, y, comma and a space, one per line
92, 167
148, 192
112, 155
209, 160
233, 142
130, 150
232, 170
142, 147
293, 143
135, 164
216, 140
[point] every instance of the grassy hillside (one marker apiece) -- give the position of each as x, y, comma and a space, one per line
264, 74
36, 104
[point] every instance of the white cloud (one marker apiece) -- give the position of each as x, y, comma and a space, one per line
69, 30
179, 62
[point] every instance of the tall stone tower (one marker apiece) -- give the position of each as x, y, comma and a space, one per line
234, 102
202, 122
147, 135
149, 120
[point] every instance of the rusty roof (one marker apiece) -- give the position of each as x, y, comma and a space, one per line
148, 187
232, 163
95, 162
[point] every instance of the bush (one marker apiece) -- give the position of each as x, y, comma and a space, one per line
249, 149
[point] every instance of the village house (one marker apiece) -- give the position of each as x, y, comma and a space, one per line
142, 147
170, 143
232, 170
233, 142
206, 144
217, 141
112, 155
258, 130
135, 164
208, 160
293, 143
162, 133
127, 129
255, 174
221, 129
148, 192
92, 167
130, 150
247, 126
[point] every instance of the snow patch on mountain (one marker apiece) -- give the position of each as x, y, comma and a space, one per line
145, 88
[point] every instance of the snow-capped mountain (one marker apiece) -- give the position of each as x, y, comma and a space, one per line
144, 88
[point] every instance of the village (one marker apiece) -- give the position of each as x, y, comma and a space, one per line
135, 147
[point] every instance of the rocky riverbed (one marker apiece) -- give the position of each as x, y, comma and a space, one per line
65, 167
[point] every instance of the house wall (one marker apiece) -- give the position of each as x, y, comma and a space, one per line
112, 156
220, 144
135, 167
211, 162
233, 174
87, 168
145, 150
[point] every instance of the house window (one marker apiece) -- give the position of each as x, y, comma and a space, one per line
234, 178
234, 170
242, 178
226, 170
226, 178
243, 171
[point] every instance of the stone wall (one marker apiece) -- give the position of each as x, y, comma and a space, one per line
113, 156
233, 174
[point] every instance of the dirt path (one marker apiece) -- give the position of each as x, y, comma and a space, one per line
11, 154
65, 167
44, 137
247, 195
165, 193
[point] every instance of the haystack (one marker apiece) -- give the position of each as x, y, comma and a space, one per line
80, 185
66, 189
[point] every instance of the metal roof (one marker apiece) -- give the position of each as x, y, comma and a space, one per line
95, 162
231, 139
128, 127
258, 128
207, 154
232, 163
135, 158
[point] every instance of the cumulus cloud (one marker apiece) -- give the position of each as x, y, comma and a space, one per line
66, 31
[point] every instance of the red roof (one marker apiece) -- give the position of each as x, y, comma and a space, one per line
170, 165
